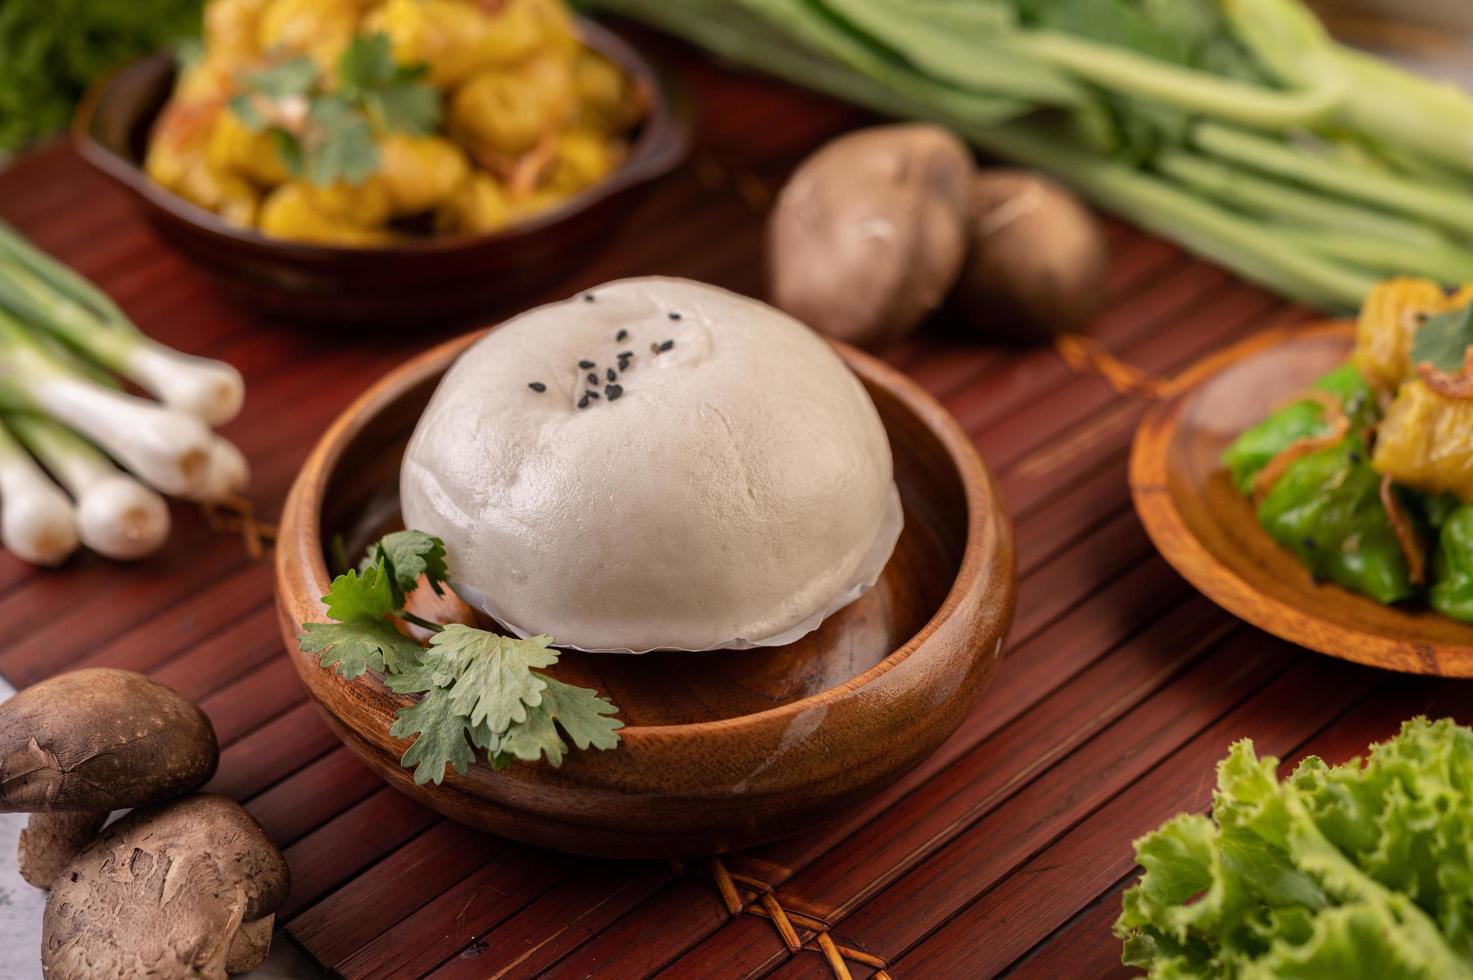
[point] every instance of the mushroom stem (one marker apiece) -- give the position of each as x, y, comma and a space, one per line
50, 841
250, 945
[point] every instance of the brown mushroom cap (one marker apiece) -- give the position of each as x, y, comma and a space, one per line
868, 235
101, 739
164, 893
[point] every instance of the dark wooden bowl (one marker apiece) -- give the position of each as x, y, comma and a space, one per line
723, 749
1209, 533
445, 277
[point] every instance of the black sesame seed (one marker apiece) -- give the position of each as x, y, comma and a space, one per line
583, 402
1354, 459
592, 394
626, 353
613, 391
610, 374
588, 297
665, 346
537, 386
1451, 289
622, 334
592, 378
674, 314
1420, 318
585, 364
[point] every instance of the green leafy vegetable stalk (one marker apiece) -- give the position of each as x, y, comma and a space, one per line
326, 132
1362, 871
478, 690
1238, 128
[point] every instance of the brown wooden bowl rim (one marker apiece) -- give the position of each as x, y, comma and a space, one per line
663, 143
1169, 532
984, 542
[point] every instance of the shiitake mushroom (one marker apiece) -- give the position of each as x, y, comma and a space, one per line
1036, 259
868, 236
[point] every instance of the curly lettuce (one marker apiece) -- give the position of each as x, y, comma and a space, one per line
1362, 871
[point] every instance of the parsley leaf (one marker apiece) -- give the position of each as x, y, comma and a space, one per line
579, 711
1444, 339
359, 645
295, 76
327, 130
408, 555
440, 737
354, 594
339, 142
360, 639
395, 97
477, 690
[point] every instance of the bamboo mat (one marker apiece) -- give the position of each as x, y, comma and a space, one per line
1005, 852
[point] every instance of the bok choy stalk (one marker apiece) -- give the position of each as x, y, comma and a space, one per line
117, 516
1239, 128
37, 523
45, 293
168, 449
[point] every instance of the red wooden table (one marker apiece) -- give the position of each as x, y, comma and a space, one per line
1004, 852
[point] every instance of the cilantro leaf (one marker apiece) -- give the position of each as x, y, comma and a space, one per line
440, 737
360, 639
582, 714
359, 645
295, 76
357, 594
579, 711
340, 142
493, 675
1444, 340
408, 555
394, 97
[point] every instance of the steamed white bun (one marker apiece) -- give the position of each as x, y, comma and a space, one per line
736, 489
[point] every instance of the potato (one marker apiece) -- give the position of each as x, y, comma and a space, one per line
1036, 260
868, 235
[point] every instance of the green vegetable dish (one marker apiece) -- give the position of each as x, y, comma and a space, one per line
1368, 476
477, 691
1362, 871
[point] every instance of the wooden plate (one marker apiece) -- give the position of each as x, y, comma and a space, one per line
1209, 533
722, 749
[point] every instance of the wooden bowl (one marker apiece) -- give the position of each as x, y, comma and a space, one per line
442, 277
723, 749
1210, 534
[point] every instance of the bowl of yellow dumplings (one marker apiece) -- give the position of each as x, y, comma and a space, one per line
387, 161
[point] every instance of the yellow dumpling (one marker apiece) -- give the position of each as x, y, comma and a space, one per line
606, 100
419, 172
232, 29
1388, 321
235, 148
582, 159
503, 113
1426, 441
319, 28
477, 206
456, 39
289, 212
362, 205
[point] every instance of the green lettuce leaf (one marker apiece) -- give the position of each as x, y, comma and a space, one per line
1356, 872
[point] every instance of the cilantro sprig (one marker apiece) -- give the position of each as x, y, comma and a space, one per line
478, 690
325, 130
1444, 339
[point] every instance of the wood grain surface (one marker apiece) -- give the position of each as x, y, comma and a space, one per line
1003, 852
